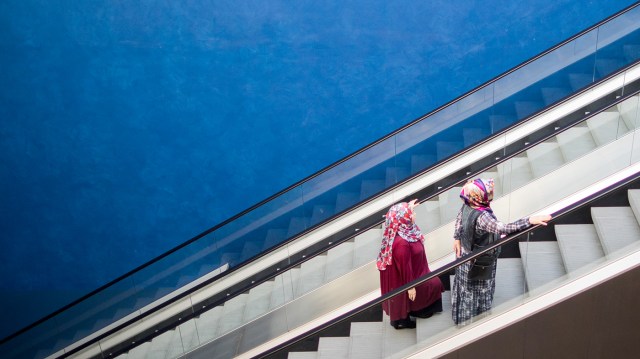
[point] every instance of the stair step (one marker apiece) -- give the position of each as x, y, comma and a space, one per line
334, 347
103, 322
174, 347
579, 81
576, 142
367, 246
428, 215
367, 346
395, 175
232, 312
139, 352
302, 355
510, 281
552, 94
251, 249
526, 108
123, 312
606, 66
445, 149
297, 225
320, 213
634, 201
207, 323
311, 276
345, 200
449, 203
474, 135
283, 288
545, 158
160, 345
371, 187
617, 227
606, 127
579, 245
629, 112
428, 329
515, 173
189, 335
258, 301
499, 122
366, 340
229, 258
542, 263
274, 236
394, 341
339, 261
366, 328
421, 162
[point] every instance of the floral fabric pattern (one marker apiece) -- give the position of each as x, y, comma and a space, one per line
478, 193
398, 221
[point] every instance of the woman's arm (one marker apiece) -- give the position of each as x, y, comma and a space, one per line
457, 234
489, 223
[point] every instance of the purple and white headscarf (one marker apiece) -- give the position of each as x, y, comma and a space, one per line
478, 194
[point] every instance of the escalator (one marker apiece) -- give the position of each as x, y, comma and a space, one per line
297, 247
557, 166
591, 241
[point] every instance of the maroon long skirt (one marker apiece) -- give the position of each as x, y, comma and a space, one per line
408, 263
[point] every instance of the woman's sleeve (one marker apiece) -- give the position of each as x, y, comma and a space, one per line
402, 259
457, 233
488, 223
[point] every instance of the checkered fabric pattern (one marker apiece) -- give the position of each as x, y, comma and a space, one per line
470, 298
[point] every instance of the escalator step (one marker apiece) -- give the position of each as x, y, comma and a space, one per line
580, 80
542, 262
576, 142
579, 245
366, 340
552, 94
334, 347
617, 227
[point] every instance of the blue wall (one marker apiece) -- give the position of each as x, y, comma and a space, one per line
130, 126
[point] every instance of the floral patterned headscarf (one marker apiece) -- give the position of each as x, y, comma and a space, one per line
397, 222
478, 194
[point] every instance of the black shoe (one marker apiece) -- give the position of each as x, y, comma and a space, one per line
403, 324
421, 314
427, 312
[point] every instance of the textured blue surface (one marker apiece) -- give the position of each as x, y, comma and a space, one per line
129, 127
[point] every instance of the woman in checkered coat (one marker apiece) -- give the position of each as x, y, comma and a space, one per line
477, 226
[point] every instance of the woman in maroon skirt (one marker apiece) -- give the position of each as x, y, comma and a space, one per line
401, 260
